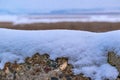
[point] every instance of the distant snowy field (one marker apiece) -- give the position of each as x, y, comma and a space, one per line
28, 19
87, 51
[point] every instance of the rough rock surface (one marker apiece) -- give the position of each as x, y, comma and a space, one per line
40, 67
114, 60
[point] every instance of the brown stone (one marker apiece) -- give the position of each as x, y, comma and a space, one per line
114, 60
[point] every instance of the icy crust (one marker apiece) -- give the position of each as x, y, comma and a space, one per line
86, 51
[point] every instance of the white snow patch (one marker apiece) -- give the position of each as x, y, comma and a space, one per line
87, 51
102, 72
28, 19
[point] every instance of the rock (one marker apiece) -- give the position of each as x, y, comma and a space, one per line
54, 78
114, 60
40, 67
61, 60
68, 78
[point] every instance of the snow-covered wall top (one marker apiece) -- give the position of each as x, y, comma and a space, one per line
87, 51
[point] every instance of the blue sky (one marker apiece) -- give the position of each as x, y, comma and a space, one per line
48, 5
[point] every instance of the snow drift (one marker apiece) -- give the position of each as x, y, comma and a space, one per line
87, 51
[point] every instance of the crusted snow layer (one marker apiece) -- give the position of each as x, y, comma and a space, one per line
87, 51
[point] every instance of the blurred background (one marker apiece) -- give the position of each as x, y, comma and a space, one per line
91, 15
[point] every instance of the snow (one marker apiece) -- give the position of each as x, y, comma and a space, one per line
87, 51
105, 71
28, 19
